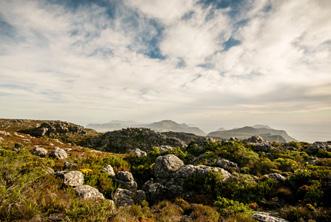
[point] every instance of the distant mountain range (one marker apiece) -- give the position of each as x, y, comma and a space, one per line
160, 126
265, 132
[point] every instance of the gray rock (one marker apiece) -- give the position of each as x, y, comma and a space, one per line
123, 197
126, 180
69, 165
275, 176
227, 165
154, 190
59, 153
138, 153
109, 170
73, 178
255, 139
39, 151
200, 170
88, 192
266, 217
167, 165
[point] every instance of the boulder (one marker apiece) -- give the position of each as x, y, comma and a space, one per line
154, 190
73, 178
167, 165
59, 153
227, 165
88, 192
200, 170
266, 217
126, 180
39, 151
123, 197
138, 153
109, 170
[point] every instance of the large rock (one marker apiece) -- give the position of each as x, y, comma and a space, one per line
227, 165
123, 197
73, 178
88, 192
200, 170
126, 180
109, 170
266, 217
166, 165
39, 151
59, 153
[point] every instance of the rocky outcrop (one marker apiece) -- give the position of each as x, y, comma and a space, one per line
132, 138
126, 180
73, 178
109, 170
55, 128
266, 217
39, 151
171, 176
59, 153
166, 165
88, 192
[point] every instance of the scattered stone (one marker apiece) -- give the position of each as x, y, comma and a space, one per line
138, 153
74, 178
166, 149
123, 197
266, 217
126, 180
17, 147
166, 165
39, 151
109, 170
275, 176
88, 192
59, 153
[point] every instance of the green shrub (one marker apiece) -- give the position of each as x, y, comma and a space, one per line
229, 207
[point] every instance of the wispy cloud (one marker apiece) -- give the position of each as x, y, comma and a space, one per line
187, 60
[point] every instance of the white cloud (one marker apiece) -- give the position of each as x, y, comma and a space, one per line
63, 60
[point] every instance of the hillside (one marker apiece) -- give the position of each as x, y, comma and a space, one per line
245, 132
48, 174
160, 126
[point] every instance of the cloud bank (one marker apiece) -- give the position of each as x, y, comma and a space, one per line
213, 63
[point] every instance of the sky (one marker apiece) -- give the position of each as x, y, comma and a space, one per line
212, 64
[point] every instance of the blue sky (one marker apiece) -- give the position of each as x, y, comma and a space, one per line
212, 63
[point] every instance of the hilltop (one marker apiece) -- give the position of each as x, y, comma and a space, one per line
160, 126
265, 132
59, 171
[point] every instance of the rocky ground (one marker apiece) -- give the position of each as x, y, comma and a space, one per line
58, 171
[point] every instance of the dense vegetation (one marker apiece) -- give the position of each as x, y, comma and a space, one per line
289, 180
